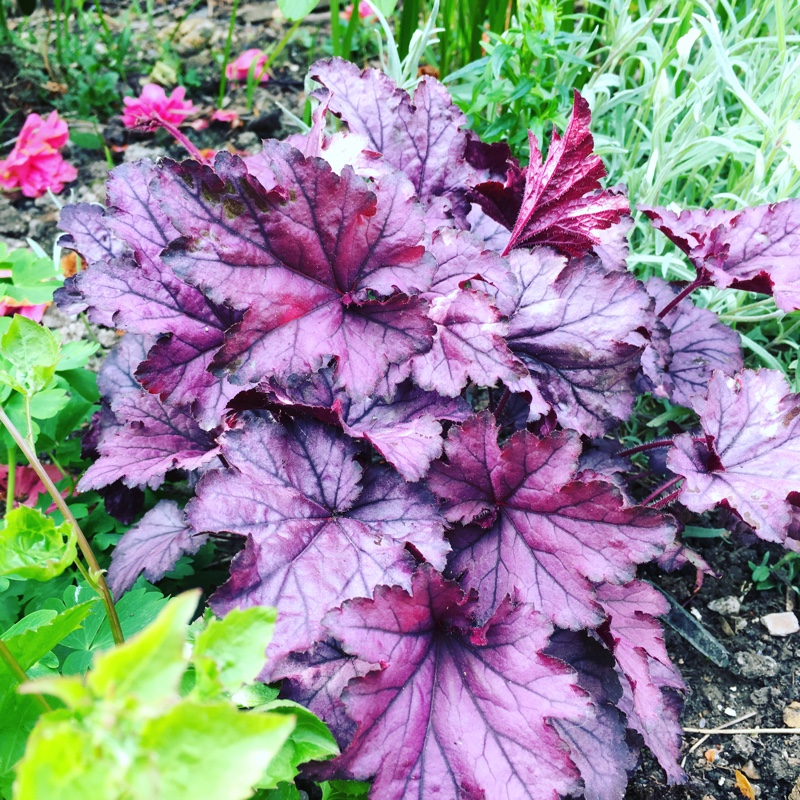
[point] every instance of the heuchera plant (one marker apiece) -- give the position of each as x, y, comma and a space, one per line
383, 358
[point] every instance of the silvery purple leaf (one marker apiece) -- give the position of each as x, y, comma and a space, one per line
323, 266
317, 678
88, 234
423, 136
576, 329
469, 345
298, 496
117, 373
461, 711
698, 343
753, 249
148, 441
403, 426
134, 216
749, 458
152, 547
534, 533
649, 679
597, 745
406, 429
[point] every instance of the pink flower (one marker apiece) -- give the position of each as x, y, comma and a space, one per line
230, 116
35, 165
365, 11
153, 103
8, 308
238, 70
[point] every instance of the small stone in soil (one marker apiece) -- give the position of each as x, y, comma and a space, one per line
752, 665
782, 624
725, 605
791, 715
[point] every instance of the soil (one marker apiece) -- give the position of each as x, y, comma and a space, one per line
761, 677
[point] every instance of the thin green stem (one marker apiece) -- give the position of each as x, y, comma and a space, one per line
83, 542
28, 421
5, 34
227, 53
11, 478
19, 673
278, 49
336, 25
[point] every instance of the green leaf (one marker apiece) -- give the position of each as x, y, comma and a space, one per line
33, 352
65, 761
283, 791
46, 404
30, 640
296, 9
344, 790
310, 741
75, 355
230, 651
208, 750
38, 633
150, 665
86, 140
255, 694
33, 547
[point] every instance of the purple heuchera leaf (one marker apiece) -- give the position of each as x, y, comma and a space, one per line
533, 532
117, 373
561, 205
576, 329
404, 427
317, 678
697, 342
88, 234
134, 216
598, 744
299, 496
750, 457
649, 679
152, 546
753, 249
423, 136
305, 262
458, 711
148, 441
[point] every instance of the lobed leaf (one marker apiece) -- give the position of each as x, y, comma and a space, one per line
464, 711
152, 547
297, 495
750, 457
532, 532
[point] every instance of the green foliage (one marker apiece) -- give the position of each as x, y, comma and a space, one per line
31, 353
26, 277
134, 727
31, 641
784, 572
33, 547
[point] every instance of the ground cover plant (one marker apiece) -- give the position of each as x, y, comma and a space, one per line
392, 362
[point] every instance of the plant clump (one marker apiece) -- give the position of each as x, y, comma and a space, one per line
383, 358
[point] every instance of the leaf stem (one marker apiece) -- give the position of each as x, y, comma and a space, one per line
19, 673
700, 280
665, 501
502, 403
660, 490
173, 131
83, 542
641, 448
11, 478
